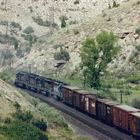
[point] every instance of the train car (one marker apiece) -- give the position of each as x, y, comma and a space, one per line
121, 116
135, 124
69, 96
44, 85
31, 82
104, 109
57, 89
21, 79
90, 104
85, 101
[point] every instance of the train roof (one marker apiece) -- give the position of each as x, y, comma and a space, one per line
108, 102
71, 87
127, 108
81, 91
137, 114
40, 77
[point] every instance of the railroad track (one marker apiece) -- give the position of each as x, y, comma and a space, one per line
91, 122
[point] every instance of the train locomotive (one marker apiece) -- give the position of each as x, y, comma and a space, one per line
123, 117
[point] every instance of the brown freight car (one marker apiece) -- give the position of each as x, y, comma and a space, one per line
104, 109
79, 98
90, 102
135, 124
121, 116
86, 101
68, 93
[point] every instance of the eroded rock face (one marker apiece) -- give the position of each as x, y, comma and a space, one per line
118, 19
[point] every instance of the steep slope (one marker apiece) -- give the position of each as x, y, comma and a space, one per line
123, 21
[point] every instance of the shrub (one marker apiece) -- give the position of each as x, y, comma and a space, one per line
28, 30
16, 25
46, 23
6, 75
76, 31
4, 23
138, 47
136, 103
137, 31
76, 2
115, 4
63, 21
7, 120
40, 124
17, 106
62, 55
18, 130
109, 6
24, 116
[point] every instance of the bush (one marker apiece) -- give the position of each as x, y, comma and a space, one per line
28, 30
76, 2
63, 21
24, 116
115, 4
4, 23
46, 23
136, 103
6, 75
76, 31
137, 31
40, 124
16, 25
7, 120
18, 130
17, 106
138, 48
53, 116
6, 38
62, 55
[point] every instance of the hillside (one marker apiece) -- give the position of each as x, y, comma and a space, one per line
9, 96
71, 38
40, 16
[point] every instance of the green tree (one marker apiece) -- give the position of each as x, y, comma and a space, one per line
95, 56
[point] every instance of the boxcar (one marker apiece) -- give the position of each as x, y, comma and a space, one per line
90, 102
135, 124
121, 116
83, 101
68, 93
104, 109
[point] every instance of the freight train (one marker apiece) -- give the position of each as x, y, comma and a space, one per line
123, 117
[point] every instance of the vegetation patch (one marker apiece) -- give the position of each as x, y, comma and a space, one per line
6, 75
8, 39
28, 30
136, 103
46, 23
62, 55
19, 129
